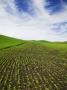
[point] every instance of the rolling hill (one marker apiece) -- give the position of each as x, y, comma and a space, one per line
34, 65
6, 41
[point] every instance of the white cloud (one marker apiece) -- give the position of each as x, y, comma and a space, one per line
38, 28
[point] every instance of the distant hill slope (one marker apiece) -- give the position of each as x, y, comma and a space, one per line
8, 41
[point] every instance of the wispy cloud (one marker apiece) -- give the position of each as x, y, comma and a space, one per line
39, 25
55, 6
60, 28
25, 6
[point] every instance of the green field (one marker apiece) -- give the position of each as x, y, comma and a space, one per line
32, 65
8, 42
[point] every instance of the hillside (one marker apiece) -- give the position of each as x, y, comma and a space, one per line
34, 65
8, 41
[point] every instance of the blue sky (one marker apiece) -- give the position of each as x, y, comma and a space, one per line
34, 19
25, 6
54, 6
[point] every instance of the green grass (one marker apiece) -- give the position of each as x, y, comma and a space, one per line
8, 42
35, 65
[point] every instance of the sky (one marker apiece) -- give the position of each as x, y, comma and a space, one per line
34, 19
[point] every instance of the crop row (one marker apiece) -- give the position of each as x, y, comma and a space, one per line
32, 68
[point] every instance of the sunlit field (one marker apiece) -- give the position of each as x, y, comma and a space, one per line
32, 65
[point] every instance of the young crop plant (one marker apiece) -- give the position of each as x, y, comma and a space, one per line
34, 66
